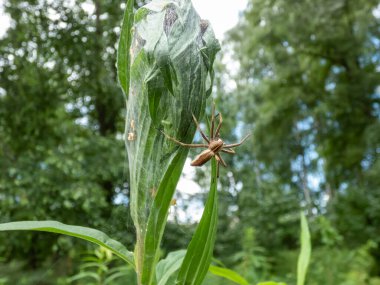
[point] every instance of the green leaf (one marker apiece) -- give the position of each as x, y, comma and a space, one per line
172, 53
123, 55
304, 257
88, 234
158, 216
199, 253
168, 266
84, 275
271, 283
96, 265
228, 274
123, 272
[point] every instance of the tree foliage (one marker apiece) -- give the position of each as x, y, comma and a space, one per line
308, 79
61, 116
313, 85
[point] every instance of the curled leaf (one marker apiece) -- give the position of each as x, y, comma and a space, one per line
172, 53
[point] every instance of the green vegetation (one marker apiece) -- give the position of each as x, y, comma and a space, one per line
307, 87
101, 267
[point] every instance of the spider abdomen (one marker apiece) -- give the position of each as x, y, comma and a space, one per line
202, 158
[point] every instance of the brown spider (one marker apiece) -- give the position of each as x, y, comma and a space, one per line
214, 144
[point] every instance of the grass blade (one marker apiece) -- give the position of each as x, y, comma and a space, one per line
158, 216
228, 274
271, 283
88, 234
199, 253
304, 257
123, 55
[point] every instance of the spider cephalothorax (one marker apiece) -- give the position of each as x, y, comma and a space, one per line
214, 145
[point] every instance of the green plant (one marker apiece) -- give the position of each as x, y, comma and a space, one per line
100, 267
15, 272
350, 266
303, 257
3, 280
302, 266
165, 68
253, 263
330, 237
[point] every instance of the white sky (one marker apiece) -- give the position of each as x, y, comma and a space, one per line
223, 15
4, 20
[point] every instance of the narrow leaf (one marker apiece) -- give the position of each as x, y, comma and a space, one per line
123, 55
228, 274
123, 272
84, 275
304, 257
168, 266
271, 283
199, 253
88, 234
161, 204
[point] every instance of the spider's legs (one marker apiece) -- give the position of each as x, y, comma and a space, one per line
228, 150
217, 166
185, 144
220, 159
236, 144
212, 121
219, 126
199, 129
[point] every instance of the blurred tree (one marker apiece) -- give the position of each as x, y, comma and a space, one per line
253, 264
308, 77
61, 119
